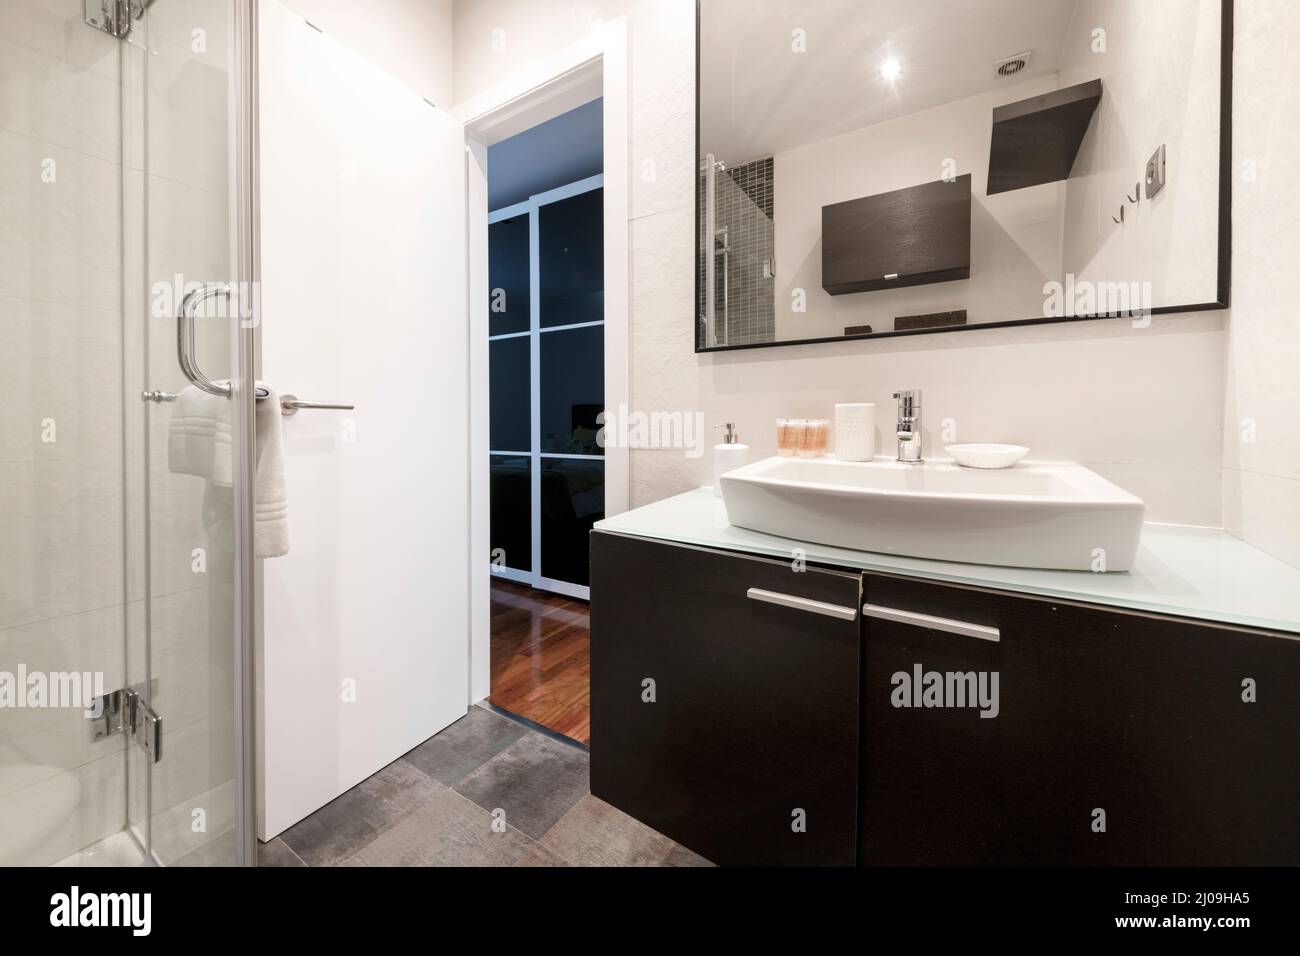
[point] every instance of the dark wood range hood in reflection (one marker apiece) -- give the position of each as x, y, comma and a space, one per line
907, 237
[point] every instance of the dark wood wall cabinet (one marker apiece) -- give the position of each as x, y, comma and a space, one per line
757, 715
907, 237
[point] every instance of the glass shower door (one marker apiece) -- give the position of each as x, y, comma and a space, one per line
123, 598
185, 291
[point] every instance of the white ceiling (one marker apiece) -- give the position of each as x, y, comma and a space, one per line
758, 97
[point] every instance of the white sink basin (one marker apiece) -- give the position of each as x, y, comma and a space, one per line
1034, 515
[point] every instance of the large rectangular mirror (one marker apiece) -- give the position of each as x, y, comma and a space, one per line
899, 167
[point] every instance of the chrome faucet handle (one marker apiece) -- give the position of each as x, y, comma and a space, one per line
909, 402
908, 429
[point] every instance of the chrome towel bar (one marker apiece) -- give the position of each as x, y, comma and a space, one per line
185, 339
289, 404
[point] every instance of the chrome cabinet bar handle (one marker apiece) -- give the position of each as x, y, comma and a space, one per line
289, 405
803, 604
934, 623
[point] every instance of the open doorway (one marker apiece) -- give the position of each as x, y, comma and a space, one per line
548, 219
546, 342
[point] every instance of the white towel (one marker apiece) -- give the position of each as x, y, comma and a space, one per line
198, 439
271, 500
199, 444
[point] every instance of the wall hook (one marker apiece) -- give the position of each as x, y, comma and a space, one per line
1120, 220
1137, 193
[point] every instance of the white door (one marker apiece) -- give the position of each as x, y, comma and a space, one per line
365, 645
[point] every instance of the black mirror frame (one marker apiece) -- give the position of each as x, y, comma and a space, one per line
1224, 282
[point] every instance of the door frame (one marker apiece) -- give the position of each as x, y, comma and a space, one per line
595, 66
532, 207
246, 254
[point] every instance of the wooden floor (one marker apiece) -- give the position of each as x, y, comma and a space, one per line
541, 666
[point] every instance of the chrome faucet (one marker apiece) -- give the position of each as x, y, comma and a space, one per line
909, 425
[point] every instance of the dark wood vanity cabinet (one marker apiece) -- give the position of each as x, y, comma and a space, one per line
761, 710
1137, 716
748, 751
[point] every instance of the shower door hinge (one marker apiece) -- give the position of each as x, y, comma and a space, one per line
114, 16
125, 712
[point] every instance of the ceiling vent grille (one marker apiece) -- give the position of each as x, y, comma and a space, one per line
1011, 65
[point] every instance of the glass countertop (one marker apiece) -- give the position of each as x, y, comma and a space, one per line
1201, 573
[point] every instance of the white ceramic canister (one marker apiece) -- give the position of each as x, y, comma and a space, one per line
855, 432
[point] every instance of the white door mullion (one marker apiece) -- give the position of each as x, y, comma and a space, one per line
575, 325
535, 381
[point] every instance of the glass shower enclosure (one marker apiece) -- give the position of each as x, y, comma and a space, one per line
735, 271
127, 182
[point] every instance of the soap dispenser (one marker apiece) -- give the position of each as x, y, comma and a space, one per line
728, 456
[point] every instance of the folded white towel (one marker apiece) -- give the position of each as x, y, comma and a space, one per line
198, 439
271, 500
199, 444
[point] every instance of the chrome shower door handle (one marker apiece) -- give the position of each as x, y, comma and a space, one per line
185, 336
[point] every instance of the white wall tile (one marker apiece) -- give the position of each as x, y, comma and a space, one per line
45, 740
60, 241
59, 79
1261, 450
663, 160
62, 527
1265, 511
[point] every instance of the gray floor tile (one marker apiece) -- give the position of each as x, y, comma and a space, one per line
445, 830
594, 833
471, 741
277, 853
340, 828
536, 780
538, 855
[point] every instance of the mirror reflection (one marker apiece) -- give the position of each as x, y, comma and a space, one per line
898, 167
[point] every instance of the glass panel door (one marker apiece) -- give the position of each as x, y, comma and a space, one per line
182, 473
547, 385
117, 598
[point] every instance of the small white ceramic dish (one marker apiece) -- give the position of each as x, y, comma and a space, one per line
986, 456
